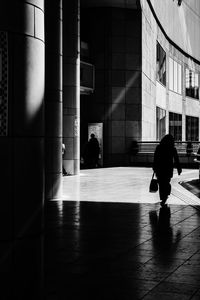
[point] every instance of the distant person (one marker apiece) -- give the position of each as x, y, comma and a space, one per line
134, 148
189, 148
133, 151
63, 153
164, 158
198, 154
93, 151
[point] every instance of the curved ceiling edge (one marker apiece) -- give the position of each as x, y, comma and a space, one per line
186, 40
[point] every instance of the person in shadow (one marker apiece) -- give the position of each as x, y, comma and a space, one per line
64, 172
165, 156
198, 154
92, 152
134, 148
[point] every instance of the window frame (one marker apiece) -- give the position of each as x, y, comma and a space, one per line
160, 122
160, 64
177, 129
175, 73
191, 86
190, 132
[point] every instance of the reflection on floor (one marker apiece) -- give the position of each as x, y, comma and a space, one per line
113, 241
126, 249
122, 251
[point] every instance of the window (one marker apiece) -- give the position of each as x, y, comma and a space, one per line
192, 128
191, 84
171, 74
161, 65
175, 76
179, 79
160, 123
175, 125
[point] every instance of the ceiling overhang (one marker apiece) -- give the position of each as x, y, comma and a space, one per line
111, 3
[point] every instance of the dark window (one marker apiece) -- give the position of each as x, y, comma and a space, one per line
160, 123
161, 65
175, 126
191, 84
192, 128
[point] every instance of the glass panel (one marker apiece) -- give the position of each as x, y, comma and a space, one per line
192, 128
187, 78
179, 79
196, 86
175, 125
175, 77
160, 123
161, 64
171, 75
196, 80
192, 82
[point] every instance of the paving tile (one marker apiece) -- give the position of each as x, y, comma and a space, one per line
176, 288
108, 239
166, 296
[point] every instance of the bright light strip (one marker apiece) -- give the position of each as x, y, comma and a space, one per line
124, 185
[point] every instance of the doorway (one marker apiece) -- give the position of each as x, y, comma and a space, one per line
97, 129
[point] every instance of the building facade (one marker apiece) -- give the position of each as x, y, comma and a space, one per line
171, 50
146, 58
142, 65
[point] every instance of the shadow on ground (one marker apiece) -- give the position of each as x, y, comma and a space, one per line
193, 186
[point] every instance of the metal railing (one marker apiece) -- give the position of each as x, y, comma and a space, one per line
149, 147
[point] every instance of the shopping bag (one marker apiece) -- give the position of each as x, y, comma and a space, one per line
153, 187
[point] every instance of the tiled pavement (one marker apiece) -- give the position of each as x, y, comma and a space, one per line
108, 238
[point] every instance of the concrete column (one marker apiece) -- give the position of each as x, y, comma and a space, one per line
53, 99
71, 85
21, 147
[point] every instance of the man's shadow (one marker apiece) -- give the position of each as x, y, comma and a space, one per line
164, 241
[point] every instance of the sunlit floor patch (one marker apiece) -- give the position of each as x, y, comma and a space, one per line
123, 185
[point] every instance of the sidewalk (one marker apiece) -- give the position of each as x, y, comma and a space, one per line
125, 185
192, 185
108, 239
